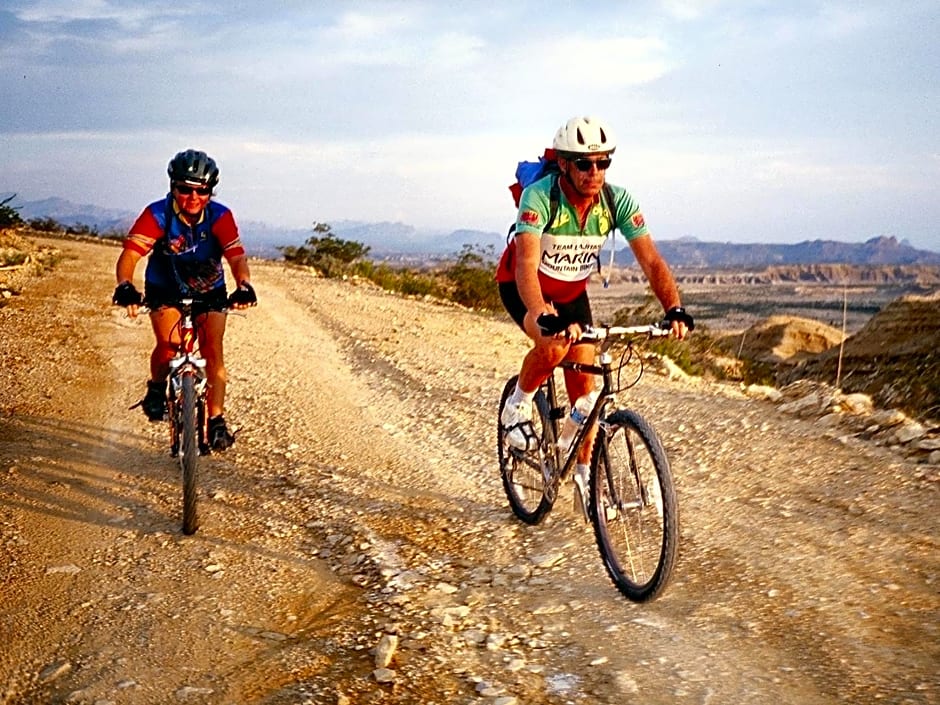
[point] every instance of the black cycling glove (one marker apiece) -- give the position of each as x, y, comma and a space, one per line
126, 294
244, 295
551, 323
677, 313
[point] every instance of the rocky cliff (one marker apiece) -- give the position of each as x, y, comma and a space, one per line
916, 276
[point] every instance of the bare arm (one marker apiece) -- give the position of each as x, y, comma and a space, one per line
239, 266
660, 278
124, 272
126, 265
528, 252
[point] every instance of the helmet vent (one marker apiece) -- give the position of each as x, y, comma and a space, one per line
584, 135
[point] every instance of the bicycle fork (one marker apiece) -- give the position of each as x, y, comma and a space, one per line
176, 404
186, 364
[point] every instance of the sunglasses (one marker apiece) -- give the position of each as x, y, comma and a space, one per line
584, 164
200, 190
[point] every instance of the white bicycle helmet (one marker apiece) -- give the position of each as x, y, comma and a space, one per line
584, 135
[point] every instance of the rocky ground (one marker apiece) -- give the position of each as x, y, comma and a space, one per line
356, 546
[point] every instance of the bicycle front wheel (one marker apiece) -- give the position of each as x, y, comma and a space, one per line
527, 474
633, 506
189, 452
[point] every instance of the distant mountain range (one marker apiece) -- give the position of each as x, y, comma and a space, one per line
399, 241
884, 250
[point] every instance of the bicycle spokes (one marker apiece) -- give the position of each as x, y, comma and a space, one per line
637, 521
528, 474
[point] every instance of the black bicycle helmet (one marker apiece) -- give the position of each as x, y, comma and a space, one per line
195, 167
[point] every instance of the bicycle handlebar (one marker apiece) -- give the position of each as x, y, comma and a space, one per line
143, 308
652, 330
552, 324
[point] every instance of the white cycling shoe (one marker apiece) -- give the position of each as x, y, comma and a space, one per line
517, 423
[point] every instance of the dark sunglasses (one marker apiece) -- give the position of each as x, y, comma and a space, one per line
584, 164
201, 190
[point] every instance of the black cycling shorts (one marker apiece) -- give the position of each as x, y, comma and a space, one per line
577, 311
156, 297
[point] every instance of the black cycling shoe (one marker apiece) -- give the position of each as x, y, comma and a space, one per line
154, 404
219, 436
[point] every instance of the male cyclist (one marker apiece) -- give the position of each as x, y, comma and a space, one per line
186, 235
545, 269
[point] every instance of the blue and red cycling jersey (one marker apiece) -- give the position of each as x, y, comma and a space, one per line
185, 257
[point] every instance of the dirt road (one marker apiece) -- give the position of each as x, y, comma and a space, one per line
362, 500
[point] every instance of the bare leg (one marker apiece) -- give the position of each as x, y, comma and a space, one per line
211, 328
542, 359
577, 384
166, 333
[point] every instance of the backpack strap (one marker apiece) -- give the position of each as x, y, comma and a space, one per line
609, 203
609, 198
168, 213
554, 197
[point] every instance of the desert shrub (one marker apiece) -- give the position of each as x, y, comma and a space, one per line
10, 257
471, 278
112, 234
328, 254
402, 280
9, 217
46, 225
468, 281
756, 372
696, 355
82, 229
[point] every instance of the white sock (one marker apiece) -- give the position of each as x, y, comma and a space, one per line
519, 397
583, 470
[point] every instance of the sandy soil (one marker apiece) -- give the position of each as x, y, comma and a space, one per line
362, 500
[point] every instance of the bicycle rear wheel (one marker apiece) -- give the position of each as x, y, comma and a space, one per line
189, 453
528, 474
634, 508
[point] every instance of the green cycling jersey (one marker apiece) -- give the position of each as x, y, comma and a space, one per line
570, 251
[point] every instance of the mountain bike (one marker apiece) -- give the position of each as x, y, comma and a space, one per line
186, 401
631, 502
186, 405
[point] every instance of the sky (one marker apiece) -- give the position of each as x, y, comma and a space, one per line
735, 121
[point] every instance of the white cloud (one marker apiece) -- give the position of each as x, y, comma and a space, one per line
687, 10
128, 15
840, 21
420, 110
588, 61
453, 50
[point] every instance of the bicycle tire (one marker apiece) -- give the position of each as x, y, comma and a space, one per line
189, 453
633, 506
527, 474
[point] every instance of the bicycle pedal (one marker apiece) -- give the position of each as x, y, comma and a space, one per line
532, 441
